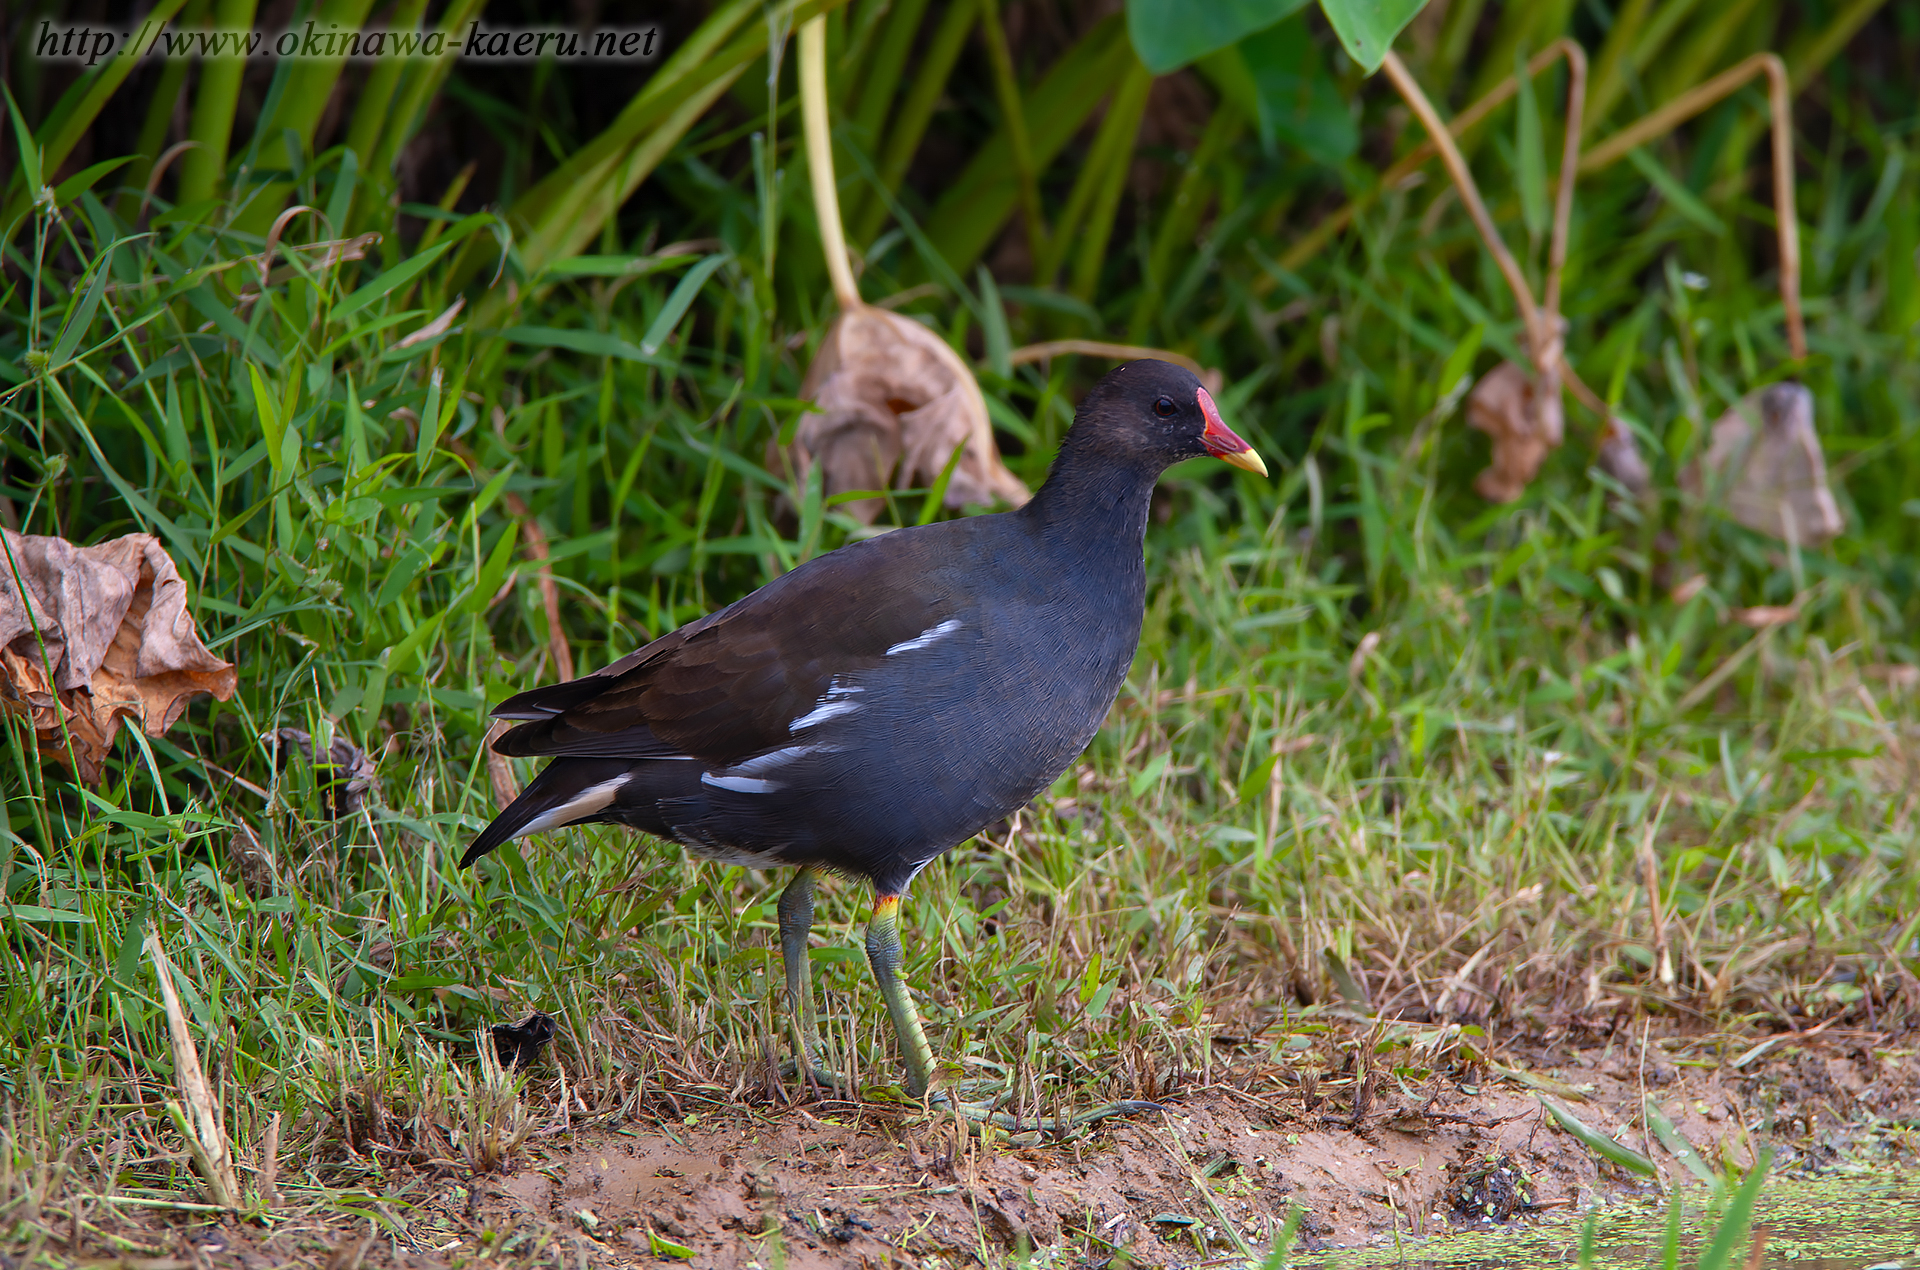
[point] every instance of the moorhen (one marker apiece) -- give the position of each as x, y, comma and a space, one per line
878, 705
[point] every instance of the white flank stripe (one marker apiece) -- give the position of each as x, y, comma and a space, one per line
585, 803
926, 637
822, 712
780, 758
740, 784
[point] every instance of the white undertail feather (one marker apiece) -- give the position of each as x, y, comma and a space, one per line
585, 803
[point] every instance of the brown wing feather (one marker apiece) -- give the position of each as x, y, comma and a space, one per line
731, 684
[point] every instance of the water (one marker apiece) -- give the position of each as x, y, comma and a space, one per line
1853, 1222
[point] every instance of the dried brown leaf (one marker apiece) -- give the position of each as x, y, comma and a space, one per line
1686, 590
499, 769
1522, 414
1895, 674
439, 325
118, 643
894, 402
1619, 457
1761, 616
1764, 466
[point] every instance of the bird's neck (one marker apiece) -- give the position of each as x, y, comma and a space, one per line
1094, 503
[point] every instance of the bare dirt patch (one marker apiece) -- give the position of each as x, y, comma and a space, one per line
1361, 1150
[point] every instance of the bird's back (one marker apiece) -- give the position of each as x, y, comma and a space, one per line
869, 709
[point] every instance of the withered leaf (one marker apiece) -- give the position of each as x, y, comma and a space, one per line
1523, 416
1764, 466
118, 643
894, 402
343, 773
1761, 616
1619, 457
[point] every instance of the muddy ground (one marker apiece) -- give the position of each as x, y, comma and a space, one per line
1362, 1153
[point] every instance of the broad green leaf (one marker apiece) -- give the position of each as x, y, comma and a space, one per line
340, 202
1366, 27
35, 913
612, 266
1460, 363
429, 422
1167, 34
1295, 99
402, 657
494, 571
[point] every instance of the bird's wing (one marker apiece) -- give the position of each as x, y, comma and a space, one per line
735, 682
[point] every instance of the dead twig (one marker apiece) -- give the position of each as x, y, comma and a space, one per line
1650, 876
1615, 445
1309, 245
1100, 348
1469, 191
1660, 122
200, 1123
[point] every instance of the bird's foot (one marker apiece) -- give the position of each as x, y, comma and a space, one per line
818, 1077
1039, 1129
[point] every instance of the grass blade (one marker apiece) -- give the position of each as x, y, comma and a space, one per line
1599, 1143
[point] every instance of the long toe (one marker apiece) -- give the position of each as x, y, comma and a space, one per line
1039, 1129
831, 1083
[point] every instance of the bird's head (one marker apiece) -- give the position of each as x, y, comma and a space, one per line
1158, 413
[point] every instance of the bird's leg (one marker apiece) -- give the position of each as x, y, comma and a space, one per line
796, 922
883, 954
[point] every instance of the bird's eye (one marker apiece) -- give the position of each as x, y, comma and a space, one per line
1165, 408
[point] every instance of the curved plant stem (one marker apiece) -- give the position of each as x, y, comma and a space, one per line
1530, 315
1407, 164
1780, 106
826, 196
1569, 170
1099, 348
1544, 343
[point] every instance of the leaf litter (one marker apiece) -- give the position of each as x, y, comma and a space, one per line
895, 401
1764, 466
93, 635
1343, 1121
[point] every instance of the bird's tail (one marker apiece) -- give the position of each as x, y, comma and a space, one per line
566, 791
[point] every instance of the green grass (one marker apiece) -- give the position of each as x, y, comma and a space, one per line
1381, 739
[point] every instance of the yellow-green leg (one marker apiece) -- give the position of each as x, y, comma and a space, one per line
796, 922
883, 954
